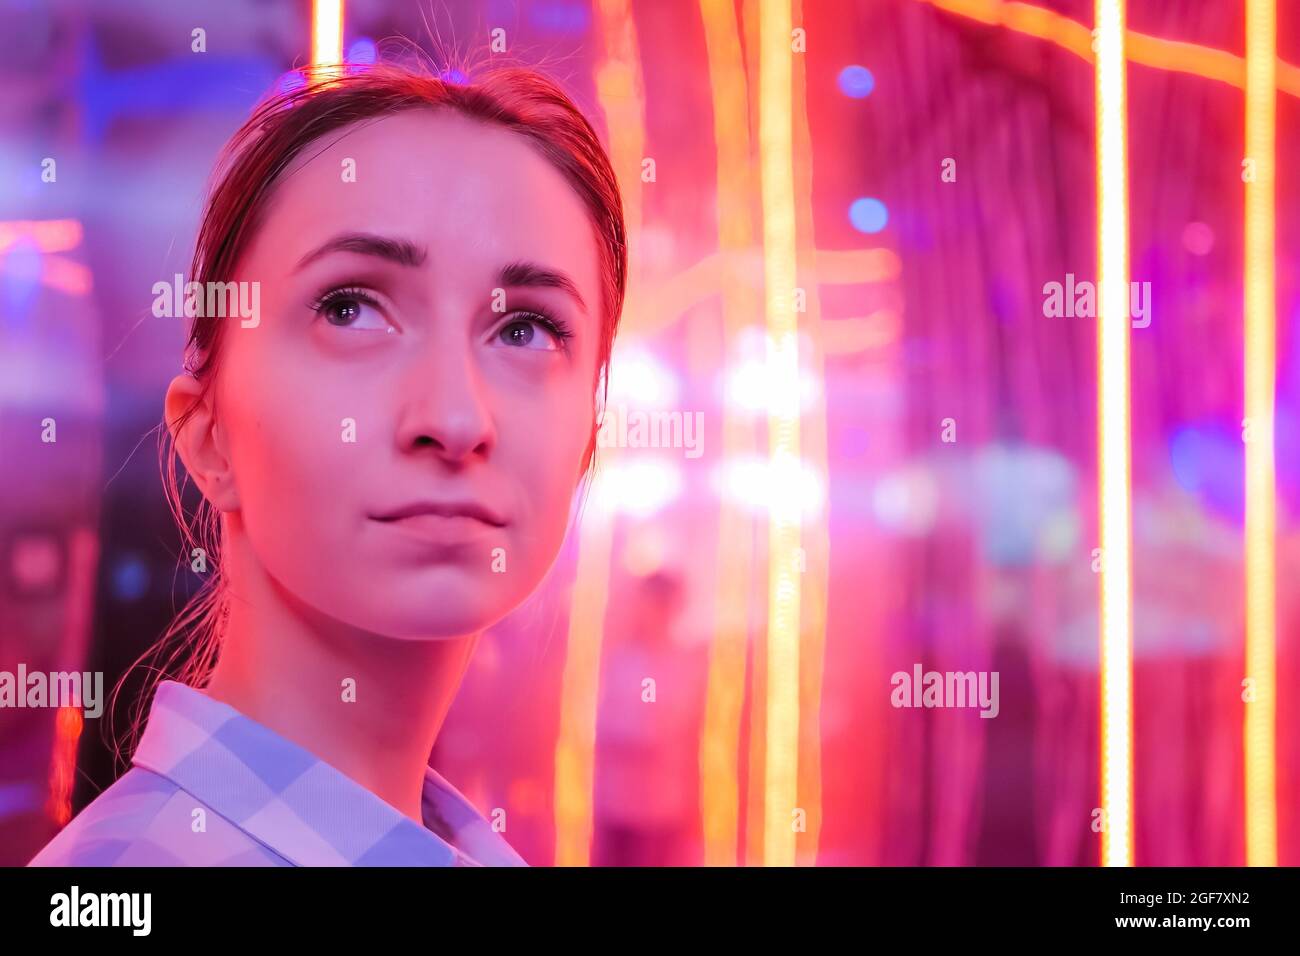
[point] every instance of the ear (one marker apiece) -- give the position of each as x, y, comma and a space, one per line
200, 441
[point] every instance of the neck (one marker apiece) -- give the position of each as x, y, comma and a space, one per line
370, 706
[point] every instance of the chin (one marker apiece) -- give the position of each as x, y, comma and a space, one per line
435, 610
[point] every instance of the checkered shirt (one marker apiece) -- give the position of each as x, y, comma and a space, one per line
265, 802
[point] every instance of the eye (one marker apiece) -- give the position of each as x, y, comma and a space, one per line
534, 330
351, 309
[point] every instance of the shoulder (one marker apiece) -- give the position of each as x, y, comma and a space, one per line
144, 819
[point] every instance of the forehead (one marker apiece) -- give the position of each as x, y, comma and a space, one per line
476, 195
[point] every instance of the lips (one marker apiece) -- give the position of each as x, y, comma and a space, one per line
443, 529
429, 513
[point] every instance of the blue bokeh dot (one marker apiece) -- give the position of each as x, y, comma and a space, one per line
868, 215
856, 82
362, 51
130, 579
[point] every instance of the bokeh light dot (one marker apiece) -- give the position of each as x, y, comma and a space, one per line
856, 82
868, 215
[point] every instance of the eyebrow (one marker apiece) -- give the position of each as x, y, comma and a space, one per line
403, 252
531, 274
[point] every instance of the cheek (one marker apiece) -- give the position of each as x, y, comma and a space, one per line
544, 452
294, 439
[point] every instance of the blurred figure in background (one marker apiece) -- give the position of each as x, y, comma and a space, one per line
647, 742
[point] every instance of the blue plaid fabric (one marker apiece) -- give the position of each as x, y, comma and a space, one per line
210, 787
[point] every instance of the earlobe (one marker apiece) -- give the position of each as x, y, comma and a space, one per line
194, 431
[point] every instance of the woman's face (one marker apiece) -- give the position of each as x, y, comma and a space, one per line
406, 424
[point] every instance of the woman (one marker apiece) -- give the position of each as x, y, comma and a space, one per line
388, 452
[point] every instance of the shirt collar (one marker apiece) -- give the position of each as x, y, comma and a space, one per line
293, 802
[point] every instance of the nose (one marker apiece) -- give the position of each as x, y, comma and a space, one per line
444, 407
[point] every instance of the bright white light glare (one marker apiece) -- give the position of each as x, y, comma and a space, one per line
754, 388
760, 486
637, 378
756, 384
639, 487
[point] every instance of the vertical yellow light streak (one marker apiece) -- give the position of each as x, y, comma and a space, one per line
1259, 731
326, 37
620, 92
814, 533
755, 782
576, 743
776, 161
1115, 504
725, 695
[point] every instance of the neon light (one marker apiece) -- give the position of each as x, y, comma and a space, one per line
68, 723
676, 295
576, 739
1260, 352
326, 38
814, 556
1115, 505
776, 158
720, 790
1141, 48
619, 90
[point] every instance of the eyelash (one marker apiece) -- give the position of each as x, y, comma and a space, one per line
552, 323
547, 320
344, 294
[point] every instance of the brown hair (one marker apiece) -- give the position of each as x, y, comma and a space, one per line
280, 128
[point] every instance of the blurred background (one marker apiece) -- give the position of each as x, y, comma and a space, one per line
945, 491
